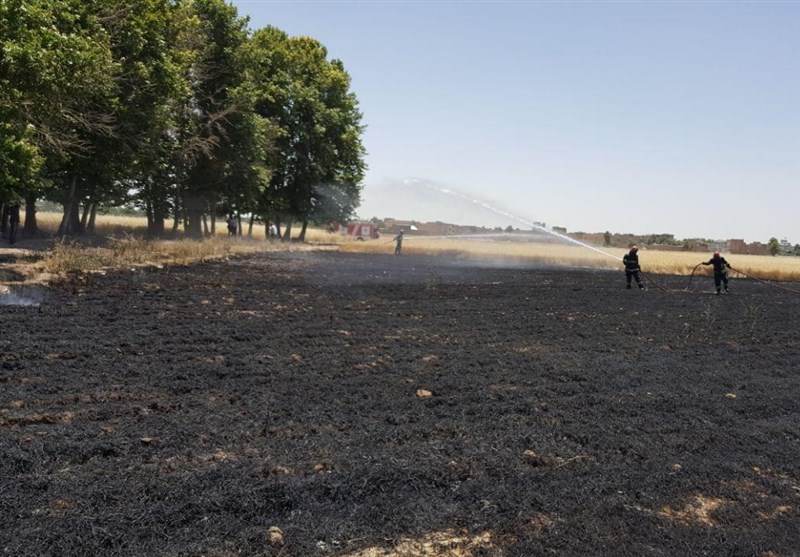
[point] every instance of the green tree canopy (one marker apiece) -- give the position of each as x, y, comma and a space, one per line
176, 107
56, 70
774, 246
318, 162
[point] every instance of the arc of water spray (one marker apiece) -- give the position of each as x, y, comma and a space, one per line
487, 206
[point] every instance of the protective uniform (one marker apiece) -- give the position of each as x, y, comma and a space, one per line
720, 271
631, 261
399, 245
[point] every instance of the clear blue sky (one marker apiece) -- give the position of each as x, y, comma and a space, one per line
642, 117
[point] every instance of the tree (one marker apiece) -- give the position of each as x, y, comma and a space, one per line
172, 106
55, 73
318, 162
607, 238
774, 246
149, 80
217, 116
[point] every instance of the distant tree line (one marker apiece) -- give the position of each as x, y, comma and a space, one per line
176, 108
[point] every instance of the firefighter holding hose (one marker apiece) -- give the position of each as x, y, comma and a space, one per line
398, 243
720, 271
631, 261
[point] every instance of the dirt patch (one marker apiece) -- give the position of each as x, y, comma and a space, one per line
301, 404
435, 544
699, 510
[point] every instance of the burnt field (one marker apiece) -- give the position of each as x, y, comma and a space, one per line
369, 406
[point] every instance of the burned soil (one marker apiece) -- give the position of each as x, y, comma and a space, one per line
305, 404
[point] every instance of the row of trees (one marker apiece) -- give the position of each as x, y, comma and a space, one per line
176, 107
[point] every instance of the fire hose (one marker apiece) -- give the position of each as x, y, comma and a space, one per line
692, 276
766, 282
686, 290
654, 283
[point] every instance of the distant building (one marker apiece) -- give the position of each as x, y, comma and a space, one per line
394, 226
559, 229
743, 248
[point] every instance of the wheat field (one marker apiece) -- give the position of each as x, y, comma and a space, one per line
566, 255
128, 246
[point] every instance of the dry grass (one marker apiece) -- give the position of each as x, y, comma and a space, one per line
120, 242
435, 544
127, 247
71, 257
118, 226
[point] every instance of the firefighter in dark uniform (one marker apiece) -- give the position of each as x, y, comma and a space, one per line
631, 261
720, 271
399, 245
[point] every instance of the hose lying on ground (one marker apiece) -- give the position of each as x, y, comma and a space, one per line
686, 290
766, 282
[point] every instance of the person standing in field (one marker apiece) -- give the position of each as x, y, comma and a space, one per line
631, 261
398, 243
720, 271
232, 225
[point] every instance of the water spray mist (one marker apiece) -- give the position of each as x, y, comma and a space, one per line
501, 212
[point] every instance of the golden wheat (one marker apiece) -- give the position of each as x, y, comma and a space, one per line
128, 247
652, 261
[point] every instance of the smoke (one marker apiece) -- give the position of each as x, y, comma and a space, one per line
20, 296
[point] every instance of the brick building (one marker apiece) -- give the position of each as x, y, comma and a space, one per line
741, 247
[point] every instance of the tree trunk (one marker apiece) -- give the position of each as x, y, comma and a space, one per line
74, 219
156, 228
4, 221
287, 232
302, 236
67, 204
70, 222
155, 208
250, 225
205, 226
148, 208
85, 216
31, 228
92, 219
178, 216
193, 211
159, 215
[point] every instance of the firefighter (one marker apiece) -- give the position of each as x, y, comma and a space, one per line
631, 261
399, 243
720, 271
